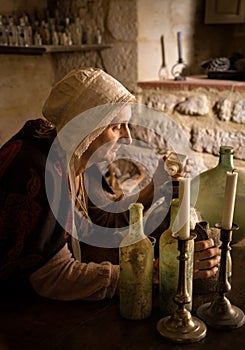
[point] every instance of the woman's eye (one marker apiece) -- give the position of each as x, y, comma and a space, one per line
117, 127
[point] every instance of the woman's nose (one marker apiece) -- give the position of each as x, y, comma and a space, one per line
125, 137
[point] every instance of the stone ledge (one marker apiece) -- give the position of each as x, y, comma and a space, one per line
192, 83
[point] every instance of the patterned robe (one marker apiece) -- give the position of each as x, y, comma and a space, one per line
29, 232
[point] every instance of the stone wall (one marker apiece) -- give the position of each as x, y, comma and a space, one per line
210, 112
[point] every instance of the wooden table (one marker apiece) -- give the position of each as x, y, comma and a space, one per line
49, 325
37, 323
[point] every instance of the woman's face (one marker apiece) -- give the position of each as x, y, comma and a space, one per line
106, 145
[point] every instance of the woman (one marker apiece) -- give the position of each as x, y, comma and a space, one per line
42, 192
33, 247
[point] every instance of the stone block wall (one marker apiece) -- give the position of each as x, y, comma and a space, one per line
212, 113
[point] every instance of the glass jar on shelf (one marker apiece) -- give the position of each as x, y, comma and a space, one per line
3, 32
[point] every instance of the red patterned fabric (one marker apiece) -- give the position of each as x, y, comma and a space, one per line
8, 153
29, 232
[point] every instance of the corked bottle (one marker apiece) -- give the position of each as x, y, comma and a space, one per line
136, 267
169, 265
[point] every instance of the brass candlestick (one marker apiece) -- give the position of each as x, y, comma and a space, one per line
179, 70
181, 326
220, 314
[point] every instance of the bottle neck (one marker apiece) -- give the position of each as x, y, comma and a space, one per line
226, 160
173, 211
136, 227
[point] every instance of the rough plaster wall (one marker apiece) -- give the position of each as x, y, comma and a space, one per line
17, 7
163, 17
199, 40
25, 82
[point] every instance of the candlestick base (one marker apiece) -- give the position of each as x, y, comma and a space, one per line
181, 326
221, 314
182, 330
180, 70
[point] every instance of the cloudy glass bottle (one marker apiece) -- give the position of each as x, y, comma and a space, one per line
136, 268
210, 199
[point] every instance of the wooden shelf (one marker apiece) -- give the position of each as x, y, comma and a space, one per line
193, 83
39, 50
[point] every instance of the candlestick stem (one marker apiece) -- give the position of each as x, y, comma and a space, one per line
180, 70
181, 326
179, 44
220, 314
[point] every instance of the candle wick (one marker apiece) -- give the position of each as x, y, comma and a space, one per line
234, 170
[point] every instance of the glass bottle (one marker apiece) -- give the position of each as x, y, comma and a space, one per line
24, 32
12, 32
76, 32
169, 265
3, 33
28, 31
45, 33
157, 219
136, 268
67, 31
210, 198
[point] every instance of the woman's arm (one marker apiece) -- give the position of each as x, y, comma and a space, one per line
64, 278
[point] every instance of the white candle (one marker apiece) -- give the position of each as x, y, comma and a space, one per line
184, 208
229, 199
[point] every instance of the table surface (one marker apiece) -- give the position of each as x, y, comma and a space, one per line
37, 323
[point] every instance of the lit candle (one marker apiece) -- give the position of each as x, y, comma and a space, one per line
184, 208
229, 199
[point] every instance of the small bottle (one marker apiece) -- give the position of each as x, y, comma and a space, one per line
76, 32
37, 39
210, 187
67, 31
12, 32
24, 32
136, 268
98, 37
28, 32
54, 37
45, 33
3, 32
169, 265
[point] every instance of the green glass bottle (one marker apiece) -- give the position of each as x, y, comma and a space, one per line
210, 199
136, 254
169, 265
